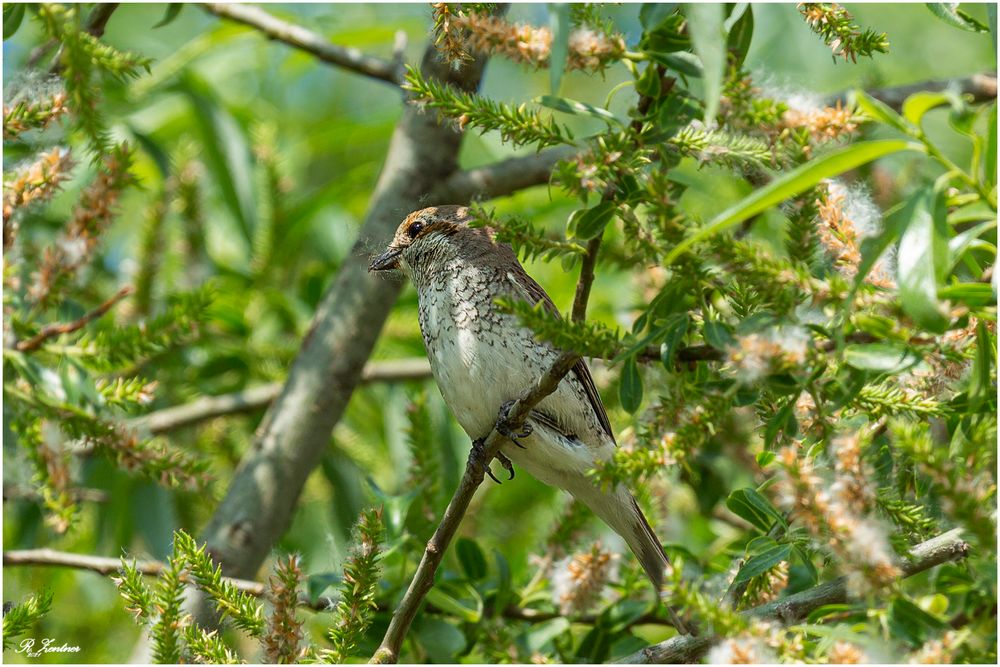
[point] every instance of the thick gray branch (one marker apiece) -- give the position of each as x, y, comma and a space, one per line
794, 608
255, 398
306, 40
293, 436
504, 177
982, 88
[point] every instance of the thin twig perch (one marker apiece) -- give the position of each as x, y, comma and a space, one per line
306, 40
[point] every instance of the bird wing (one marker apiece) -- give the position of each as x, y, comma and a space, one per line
534, 292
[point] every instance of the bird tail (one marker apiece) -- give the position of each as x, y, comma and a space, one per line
620, 511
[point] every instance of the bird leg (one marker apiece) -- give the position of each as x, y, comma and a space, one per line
477, 457
503, 426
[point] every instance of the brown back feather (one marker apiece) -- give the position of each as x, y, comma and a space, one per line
536, 293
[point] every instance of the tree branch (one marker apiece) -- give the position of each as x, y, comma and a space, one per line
684, 649
295, 432
52, 330
254, 398
982, 88
106, 566
306, 40
504, 177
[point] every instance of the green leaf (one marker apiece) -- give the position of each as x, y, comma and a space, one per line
676, 329
540, 636
911, 623
980, 384
444, 597
740, 36
763, 562
683, 62
668, 35
749, 504
717, 335
317, 583
765, 458
576, 108
971, 294
173, 11
652, 14
792, 183
630, 390
955, 17
13, 14
471, 558
708, 36
782, 421
560, 26
923, 250
591, 222
917, 104
594, 647
883, 113
990, 159
991, 18
441, 640
981, 387
959, 244
880, 357
505, 589
225, 149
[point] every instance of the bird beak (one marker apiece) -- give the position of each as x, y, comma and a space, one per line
387, 260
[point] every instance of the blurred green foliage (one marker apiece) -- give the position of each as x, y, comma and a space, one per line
253, 166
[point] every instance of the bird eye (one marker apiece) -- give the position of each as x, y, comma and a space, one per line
415, 228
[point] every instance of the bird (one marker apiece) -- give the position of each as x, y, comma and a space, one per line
482, 357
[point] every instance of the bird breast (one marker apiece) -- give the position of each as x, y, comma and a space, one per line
482, 357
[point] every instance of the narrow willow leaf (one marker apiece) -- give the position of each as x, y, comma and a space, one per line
923, 248
749, 504
173, 11
740, 35
782, 421
763, 562
792, 183
882, 112
591, 222
880, 357
471, 557
675, 332
569, 106
955, 17
990, 159
708, 36
630, 390
227, 152
13, 15
560, 26
916, 105
453, 598
959, 244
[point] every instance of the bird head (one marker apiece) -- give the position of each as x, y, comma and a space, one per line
427, 235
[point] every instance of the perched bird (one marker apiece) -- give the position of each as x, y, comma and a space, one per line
482, 358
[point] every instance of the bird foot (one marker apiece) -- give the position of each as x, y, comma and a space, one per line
478, 458
504, 427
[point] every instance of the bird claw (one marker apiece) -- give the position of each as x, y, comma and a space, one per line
507, 464
478, 458
503, 426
